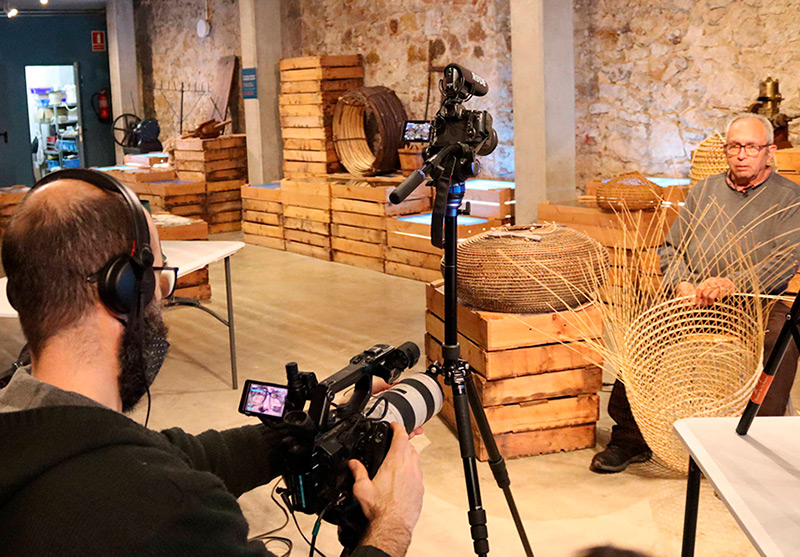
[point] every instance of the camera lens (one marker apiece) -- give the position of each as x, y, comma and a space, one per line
411, 402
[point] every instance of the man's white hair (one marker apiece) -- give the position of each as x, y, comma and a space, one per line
751, 116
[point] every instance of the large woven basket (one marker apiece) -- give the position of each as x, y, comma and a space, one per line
530, 269
708, 159
684, 361
632, 191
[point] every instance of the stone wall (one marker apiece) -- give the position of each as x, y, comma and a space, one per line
654, 78
396, 38
170, 52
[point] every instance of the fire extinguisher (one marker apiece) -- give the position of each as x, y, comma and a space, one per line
102, 108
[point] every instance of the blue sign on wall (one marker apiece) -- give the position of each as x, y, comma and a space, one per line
249, 83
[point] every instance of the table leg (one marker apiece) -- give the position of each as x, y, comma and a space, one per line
690, 516
231, 333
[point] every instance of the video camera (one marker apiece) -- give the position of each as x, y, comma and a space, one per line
455, 136
319, 441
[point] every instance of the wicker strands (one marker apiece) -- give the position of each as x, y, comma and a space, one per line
708, 159
529, 269
682, 361
367, 130
632, 190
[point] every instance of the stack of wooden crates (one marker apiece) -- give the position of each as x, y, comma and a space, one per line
360, 210
172, 227
307, 216
221, 164
10, 197
536, 376
310, 87
262, 214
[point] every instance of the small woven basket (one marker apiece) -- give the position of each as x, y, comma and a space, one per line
708, 159
632, 191
537, 268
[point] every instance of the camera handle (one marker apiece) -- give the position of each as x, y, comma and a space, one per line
458, 375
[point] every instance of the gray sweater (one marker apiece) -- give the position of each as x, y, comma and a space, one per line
718, 224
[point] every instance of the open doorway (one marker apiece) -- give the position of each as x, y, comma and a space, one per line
54, 116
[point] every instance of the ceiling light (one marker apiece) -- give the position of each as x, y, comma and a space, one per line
11, 12
43, 2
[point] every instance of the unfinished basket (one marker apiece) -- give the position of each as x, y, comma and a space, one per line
708, 159
529, 268
681, 360
630, 191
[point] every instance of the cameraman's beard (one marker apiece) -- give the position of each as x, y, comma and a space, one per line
142, 351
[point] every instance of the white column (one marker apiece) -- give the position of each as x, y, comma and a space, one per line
122, 61
261, 49
544, 103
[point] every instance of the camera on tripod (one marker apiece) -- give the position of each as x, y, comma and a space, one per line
319, 441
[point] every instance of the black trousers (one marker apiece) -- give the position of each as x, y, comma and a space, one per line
626, 432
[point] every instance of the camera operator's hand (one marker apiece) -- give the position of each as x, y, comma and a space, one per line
392, 500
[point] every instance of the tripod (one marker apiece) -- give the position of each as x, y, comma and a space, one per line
789, 331
448, 170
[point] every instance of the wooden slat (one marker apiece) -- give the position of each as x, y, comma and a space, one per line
325, 61
322, 73
263, 218
210, 166
267, 194
194, 278
300, 99
360, 234
224, 206
264, 241
220, 227
224, 216
224, 185
371, 263
307, 237
359, 248
317, 86
301, 248
262, 230
415, 273
262, 206
306, 121
356, 219
305, 225
320, 215
414, 258
221, 196
222, 142
197, 292
310, 156
407, 207
310, 167
211, 155
303, 144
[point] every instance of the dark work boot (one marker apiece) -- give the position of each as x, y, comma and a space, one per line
617, 457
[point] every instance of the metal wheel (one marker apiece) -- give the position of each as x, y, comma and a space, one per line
123, 126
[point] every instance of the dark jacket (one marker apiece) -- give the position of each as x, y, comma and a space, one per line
81, 480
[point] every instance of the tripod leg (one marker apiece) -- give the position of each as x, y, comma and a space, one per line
496, 462
476, 515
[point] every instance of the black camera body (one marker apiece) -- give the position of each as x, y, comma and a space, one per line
320, 440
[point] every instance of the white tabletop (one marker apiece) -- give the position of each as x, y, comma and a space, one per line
187, 256
756, 475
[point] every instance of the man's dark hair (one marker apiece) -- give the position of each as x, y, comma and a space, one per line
51, 246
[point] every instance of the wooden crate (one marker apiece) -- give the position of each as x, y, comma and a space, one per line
10, 197
409, 252
146, 160
491, 199
172, 227
178, 197
536, 376
231, 141
307, 216
135, 174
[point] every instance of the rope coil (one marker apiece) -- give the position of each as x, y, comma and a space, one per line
350, 140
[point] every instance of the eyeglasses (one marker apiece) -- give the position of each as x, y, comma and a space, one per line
167, 278
750, 149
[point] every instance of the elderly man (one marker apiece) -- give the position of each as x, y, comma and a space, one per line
752, 207
80, 478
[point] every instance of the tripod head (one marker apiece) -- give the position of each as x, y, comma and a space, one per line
457, 136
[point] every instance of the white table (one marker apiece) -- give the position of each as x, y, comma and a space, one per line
187, 256
756, 475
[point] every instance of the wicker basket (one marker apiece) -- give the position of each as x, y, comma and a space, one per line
685, 361
632, 191
530, 269
708, 159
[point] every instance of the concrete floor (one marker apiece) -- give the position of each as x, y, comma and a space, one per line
294, 308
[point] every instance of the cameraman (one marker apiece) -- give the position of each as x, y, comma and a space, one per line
78, 477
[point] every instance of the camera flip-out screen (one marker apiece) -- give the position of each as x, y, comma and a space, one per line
417, 131
263, 399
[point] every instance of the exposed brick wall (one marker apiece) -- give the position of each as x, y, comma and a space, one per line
170, 52
654, 78
394, 39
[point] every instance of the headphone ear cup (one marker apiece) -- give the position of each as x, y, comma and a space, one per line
147, 285
116, 284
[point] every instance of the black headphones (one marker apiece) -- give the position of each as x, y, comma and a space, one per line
126, 283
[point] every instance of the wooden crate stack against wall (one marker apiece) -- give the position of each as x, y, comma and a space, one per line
359, 211
491, 199
410, 253
540, 396
179, 197
310, 87
10, 197
307, 216
172, 227
221, 164
262, 214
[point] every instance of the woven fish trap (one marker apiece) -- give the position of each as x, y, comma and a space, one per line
632, 191
534, 268
708, 159
682, 361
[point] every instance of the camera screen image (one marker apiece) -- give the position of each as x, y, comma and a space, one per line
417, 131
264, 399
